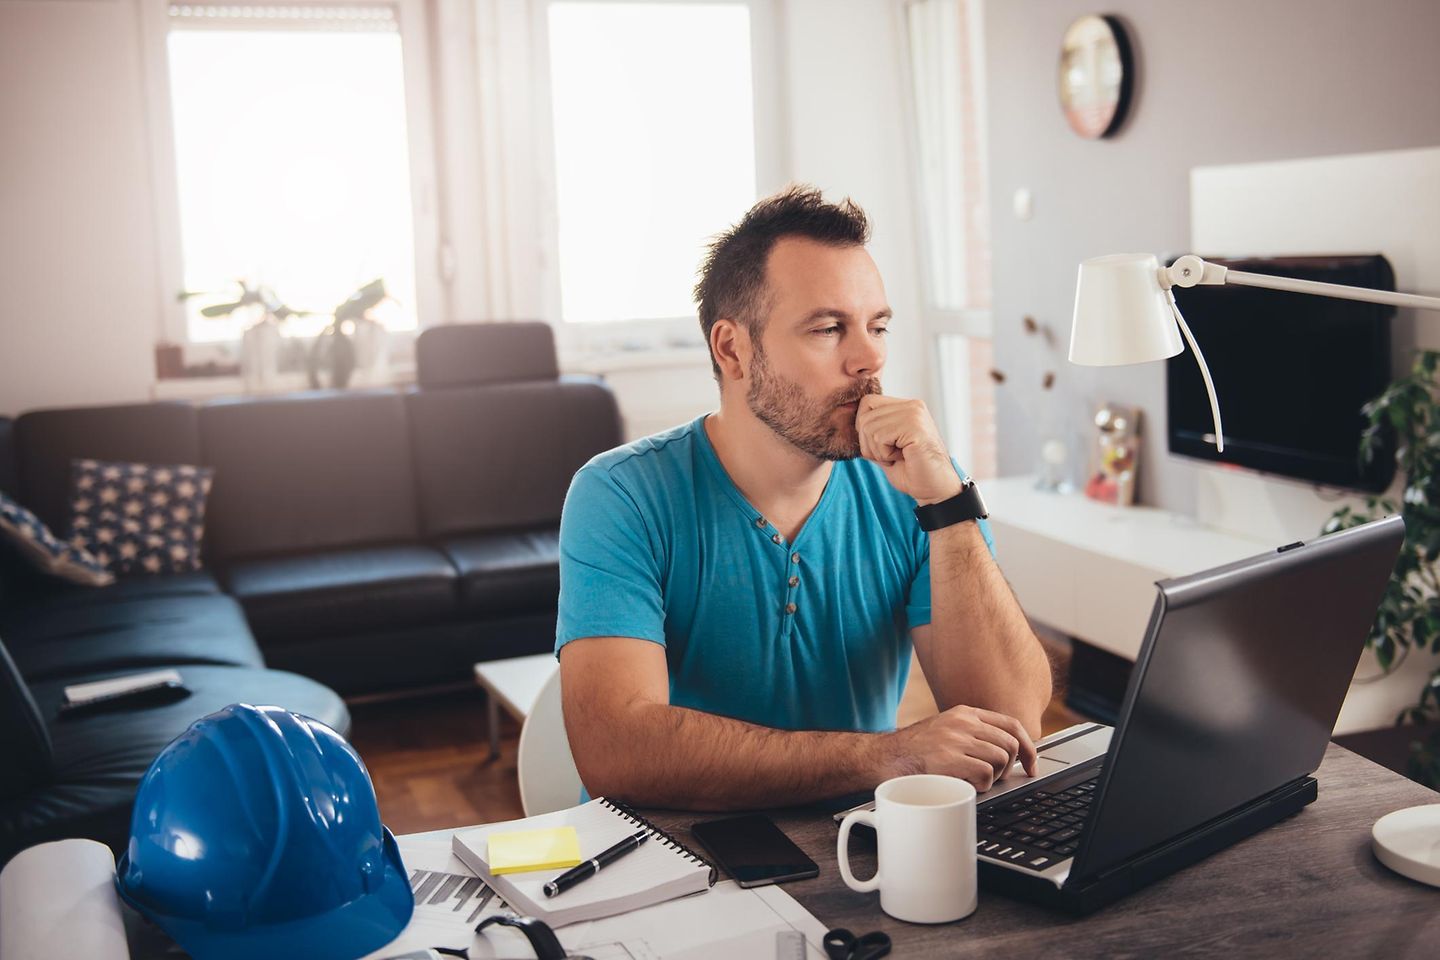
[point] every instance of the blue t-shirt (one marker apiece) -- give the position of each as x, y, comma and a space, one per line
657, 543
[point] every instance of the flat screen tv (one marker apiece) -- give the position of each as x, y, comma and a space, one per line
1291, 372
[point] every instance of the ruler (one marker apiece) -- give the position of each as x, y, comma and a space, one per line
789, 945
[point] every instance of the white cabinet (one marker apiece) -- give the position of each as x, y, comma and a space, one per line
1089, 570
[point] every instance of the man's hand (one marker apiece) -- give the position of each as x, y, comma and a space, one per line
966, 742
901, 437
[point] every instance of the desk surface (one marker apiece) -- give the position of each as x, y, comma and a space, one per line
1308, 886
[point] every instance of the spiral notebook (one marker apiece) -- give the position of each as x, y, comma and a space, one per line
662, 868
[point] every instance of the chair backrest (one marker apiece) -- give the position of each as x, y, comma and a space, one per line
464, 354
548, 779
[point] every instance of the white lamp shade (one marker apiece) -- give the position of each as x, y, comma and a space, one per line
1121, 313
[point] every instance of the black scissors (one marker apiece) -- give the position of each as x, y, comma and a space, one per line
841, 944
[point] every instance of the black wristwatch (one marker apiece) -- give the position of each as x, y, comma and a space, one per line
965, 505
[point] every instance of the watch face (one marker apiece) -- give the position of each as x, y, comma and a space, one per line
1095, 76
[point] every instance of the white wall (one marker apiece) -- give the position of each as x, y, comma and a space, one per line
1232, 82
844, 72
77, 236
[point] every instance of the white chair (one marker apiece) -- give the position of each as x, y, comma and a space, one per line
548, 779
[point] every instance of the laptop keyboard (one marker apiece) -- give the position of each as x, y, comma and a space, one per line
1038, 830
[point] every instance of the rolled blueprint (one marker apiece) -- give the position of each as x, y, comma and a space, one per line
58, 900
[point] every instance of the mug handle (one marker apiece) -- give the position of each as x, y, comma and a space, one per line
842, 851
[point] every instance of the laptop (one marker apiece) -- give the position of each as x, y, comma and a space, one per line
1229, 709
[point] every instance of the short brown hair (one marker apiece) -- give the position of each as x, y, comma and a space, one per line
732, 278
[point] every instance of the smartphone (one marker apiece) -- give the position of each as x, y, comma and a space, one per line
753, 850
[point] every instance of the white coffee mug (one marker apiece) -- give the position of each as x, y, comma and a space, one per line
925, 835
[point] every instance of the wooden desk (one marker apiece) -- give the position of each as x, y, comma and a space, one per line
1306, 887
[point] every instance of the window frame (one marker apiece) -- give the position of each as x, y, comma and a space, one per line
682, 334
431, 305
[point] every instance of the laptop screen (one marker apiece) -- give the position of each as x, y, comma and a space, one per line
1237, 687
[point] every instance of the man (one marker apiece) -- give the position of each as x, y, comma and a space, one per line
738, 595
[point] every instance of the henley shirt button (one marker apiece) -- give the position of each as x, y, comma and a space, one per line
777, 539
789, 608
795, 557
794, 581
760, 522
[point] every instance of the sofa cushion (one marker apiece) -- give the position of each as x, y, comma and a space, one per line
62, 641
47, 440
507, 572
22, 730
385, 661
58, 595
307, 472
338, 591
47, 552
139, 518
501, 456
469, 353
98, 759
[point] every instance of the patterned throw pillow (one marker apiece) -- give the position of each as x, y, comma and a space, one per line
139, 518
45, 551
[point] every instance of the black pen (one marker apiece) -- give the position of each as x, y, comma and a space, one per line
589, 868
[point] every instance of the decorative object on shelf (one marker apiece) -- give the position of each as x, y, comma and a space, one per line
169, 361
1097, 76
1053, 471
353, 342
1409, 615
261, 345
1113, 479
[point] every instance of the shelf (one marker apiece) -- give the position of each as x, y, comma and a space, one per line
1088, 569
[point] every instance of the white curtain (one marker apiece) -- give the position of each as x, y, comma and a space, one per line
495, 157
944, 104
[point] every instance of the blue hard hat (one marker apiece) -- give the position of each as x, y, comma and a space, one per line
255, 834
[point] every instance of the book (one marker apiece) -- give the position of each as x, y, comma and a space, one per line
661, 869
521, 851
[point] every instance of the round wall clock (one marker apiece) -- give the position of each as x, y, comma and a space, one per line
1096, 75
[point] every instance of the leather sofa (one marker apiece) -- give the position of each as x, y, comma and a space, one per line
355, 543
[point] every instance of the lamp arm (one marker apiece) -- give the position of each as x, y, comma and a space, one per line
1339, 291
1190, 271
1204, 371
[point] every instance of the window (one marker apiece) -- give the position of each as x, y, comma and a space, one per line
292, 158
655, 149
947, 77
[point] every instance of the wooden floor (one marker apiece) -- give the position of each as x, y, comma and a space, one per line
429, 757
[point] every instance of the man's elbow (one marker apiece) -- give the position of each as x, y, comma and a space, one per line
602, 774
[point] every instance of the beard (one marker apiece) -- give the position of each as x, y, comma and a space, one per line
808, 423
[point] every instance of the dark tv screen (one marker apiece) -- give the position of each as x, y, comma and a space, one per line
1291, 371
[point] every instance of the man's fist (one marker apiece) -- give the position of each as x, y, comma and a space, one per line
902, 438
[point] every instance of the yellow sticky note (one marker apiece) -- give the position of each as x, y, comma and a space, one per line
523, 850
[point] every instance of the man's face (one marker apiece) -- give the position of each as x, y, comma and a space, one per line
822, 345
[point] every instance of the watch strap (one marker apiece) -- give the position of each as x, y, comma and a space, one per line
965, 505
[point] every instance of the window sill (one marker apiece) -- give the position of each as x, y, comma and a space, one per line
210, 388
599, 363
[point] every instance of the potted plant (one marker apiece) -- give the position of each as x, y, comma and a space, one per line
1407, 414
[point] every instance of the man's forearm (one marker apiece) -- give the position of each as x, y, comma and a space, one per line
661, 755
981, 650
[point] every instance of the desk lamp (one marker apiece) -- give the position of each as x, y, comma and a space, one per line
1125, 312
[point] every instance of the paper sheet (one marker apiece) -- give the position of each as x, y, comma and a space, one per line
722, 923
58, 899
449, 901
